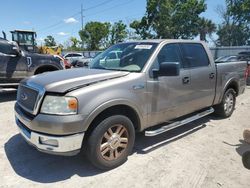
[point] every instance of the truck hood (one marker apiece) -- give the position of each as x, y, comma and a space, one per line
38, 56
71, 79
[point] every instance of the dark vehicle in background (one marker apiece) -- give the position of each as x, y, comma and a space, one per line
16, 64
228, 58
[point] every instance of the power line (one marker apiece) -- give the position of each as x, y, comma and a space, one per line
89, 8
104, 10
98, 5
58, 23
81, 13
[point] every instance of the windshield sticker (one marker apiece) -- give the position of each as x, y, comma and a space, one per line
141, 46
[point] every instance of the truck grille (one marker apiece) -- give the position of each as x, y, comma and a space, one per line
27, 97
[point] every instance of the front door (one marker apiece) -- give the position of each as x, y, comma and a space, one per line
168, 96
13, 68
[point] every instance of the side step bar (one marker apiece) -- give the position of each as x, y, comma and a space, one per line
179, 123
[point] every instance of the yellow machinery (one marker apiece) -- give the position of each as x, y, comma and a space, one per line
55, 50
26, 41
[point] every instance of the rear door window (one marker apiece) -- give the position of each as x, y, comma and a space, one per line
194, 55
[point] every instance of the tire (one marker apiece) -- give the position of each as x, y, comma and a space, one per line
246, 159
226, 107
111, 142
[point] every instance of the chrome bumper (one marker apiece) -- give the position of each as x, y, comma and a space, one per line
58, 145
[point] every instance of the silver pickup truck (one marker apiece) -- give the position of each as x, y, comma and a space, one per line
100, 108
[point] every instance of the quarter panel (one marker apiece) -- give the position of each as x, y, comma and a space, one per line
226, 73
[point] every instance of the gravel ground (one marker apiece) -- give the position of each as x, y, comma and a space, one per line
205, 153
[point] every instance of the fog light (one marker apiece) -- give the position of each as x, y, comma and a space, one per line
48, 142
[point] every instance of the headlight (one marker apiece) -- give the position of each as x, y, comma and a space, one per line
59, 105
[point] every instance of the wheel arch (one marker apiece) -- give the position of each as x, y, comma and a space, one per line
43, 68
232, 83
114, 108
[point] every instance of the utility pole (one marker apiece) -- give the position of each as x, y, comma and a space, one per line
82, 16
82, 20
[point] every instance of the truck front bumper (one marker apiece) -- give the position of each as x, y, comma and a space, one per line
51, 134
58, 145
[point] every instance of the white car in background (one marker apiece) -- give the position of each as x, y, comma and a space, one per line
77, 59
73, 56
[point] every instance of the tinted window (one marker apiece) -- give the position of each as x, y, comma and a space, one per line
111, 55
69, 55
5, 47
76, 55
168, 53
194, 55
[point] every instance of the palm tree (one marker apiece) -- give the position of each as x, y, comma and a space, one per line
206, 26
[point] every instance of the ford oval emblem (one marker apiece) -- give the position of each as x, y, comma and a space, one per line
24, 96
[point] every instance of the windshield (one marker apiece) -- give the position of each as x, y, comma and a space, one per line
124, 57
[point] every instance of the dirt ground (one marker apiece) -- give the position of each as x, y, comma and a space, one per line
205, 153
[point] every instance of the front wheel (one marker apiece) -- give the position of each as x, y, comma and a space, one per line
226, 107
111, 142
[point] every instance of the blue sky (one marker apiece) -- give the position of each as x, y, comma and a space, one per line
61, 19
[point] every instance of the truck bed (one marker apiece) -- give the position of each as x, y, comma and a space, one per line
226, 72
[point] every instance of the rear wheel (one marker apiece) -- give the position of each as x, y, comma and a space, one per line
226, 107
111, 142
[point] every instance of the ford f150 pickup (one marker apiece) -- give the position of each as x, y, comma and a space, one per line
16, 64
154, 82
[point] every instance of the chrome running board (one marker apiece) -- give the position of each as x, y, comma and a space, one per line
178, 123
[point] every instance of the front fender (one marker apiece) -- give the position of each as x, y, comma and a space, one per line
109, 104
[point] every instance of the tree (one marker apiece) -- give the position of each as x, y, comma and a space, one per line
235, 28
50, 41
74, 43
93, 34
141, 28
206, 27
170, 19
118, 32
239, 10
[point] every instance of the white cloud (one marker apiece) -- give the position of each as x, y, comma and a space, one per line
40, 39
62, 34
70, 20
27, 23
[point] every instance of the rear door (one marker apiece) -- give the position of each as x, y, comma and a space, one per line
203, 75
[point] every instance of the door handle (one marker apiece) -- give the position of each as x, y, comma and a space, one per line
185, 80
211, 75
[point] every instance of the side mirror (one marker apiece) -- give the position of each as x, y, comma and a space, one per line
167, 69
15, 50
